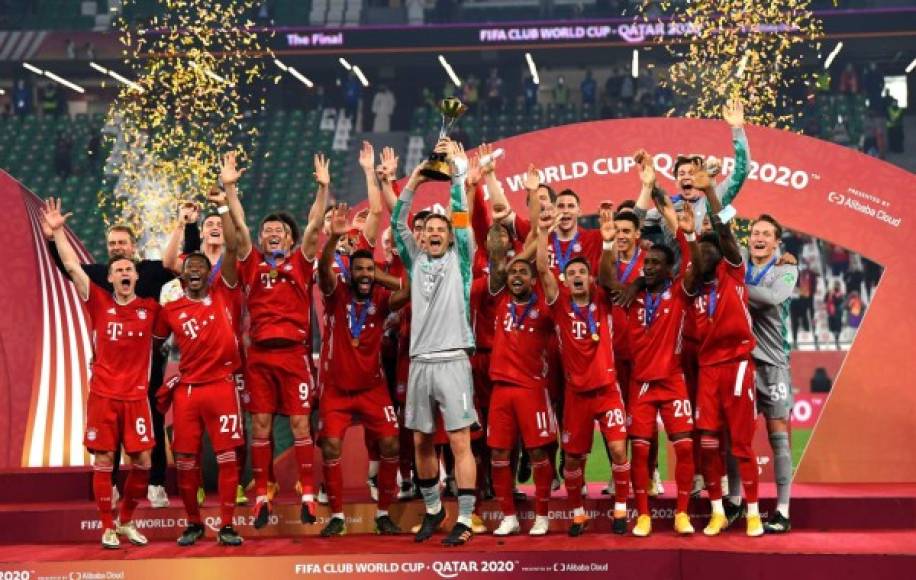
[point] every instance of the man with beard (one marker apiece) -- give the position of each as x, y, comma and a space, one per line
655, 321
440, 378
520, 403
276, 281
582, 314
206, 397
356, 311
117, 411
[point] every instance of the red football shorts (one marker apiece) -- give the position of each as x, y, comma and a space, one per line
555, 379
279, 380
690, 364
213, 407
582, 409
372, 407
726, 397
111, 423
667, 396
516, 409
483, 387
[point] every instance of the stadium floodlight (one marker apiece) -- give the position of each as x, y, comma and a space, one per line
359, 74
836, 50
911, 66
280, 65
2, 92
634, 68
343, 62
302, 78
117, 77
533, 69
449, 71
54, 77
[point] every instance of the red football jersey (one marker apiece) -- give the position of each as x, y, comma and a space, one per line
587, 363
656, 344
520, 339
205, 334
628, 272
723, 324
348, 366
586, 243
122, 338
483, 313
278, 298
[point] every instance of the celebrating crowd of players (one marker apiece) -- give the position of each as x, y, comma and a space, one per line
471, 334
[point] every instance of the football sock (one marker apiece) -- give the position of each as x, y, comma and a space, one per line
782, 466
430, 490
101, 489
387, 481
753, 509
305, 455
750, 477
683, 471
188, 483
543, 480
502, 485
621, 474
228, 481
640, 450
734, 478
333, 483
261, 452
573, 480
466, 500
241, 456
134, 490
712, 466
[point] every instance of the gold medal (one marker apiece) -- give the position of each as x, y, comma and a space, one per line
595, 337
562, 277
355, 342
273, 274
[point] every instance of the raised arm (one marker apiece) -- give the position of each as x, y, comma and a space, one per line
327, 280
229, 269
56, 221
229, 175
545, 222
188, 212
499, 272
387, 172
646, 179
607, 268
733, 113
373, 194
403, 238
458, 203
316, 214
690, 250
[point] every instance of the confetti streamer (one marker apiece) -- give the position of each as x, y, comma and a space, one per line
744, 49
201, 67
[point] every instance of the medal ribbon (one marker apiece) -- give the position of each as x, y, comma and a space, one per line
342, 267
564, 257
749, 278
214, 272
358, 317
653, 301
711, 308
587, 317
272, 259
629, 270
516, 320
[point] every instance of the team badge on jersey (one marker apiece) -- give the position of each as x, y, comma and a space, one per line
91, 434
577, 247
534, 314
141, 313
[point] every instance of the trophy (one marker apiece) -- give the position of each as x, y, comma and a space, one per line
437, 167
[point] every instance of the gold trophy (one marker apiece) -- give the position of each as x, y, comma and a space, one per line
437, 168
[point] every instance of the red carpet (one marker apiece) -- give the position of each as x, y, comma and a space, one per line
834, 555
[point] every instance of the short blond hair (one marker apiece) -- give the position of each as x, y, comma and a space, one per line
123, 228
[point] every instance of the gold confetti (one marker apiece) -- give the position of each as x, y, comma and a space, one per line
199, 63
742, 49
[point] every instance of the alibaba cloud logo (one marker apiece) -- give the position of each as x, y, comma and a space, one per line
837, 198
